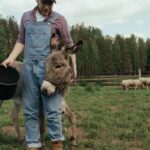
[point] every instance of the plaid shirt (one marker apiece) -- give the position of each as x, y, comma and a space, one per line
60, 27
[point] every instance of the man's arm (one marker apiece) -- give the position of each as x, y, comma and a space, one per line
73, 61
67, 39
18, 48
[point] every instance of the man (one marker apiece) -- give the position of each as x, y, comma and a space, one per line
36, 29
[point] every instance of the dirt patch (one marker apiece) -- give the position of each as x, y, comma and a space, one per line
135, 148
113, 108
115, 142
82, 114
80, 132
10, 130
148, 120
134, 145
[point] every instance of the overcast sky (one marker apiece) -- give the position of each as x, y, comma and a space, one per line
111, 16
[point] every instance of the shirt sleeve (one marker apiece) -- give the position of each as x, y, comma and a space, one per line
21, 35
65, 33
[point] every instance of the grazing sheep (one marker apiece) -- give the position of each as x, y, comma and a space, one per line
137, 84
145, 81
132, 83
126, 84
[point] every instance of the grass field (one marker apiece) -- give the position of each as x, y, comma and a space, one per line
108, 119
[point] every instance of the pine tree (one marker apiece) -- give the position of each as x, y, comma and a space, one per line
8, 31
141, 54
148, 55
116, 54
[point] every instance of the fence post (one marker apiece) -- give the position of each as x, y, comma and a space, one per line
139, 72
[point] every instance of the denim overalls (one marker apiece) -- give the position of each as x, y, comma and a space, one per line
37, 48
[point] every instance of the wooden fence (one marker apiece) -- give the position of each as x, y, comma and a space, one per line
109, 80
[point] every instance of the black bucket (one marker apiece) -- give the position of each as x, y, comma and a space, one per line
8, 82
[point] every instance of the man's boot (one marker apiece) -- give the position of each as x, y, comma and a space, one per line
57, 145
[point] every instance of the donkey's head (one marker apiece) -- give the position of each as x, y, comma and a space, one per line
58, 69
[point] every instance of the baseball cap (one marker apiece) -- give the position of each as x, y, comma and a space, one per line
48, 1
54, 1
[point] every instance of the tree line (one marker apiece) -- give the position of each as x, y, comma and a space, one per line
104, 55
100, 55
8, 35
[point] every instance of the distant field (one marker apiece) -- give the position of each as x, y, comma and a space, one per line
106, 80
108, 119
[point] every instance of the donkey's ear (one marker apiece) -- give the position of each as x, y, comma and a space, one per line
54, 42
53, 38
75, 48
53, 35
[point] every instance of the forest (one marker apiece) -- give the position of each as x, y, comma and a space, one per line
100, 54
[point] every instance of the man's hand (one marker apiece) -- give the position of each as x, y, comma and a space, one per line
7, 62
18, 48
74, 76
74, 68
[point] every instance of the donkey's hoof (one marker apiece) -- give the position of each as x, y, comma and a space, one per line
21, 141
72, 147
73, 142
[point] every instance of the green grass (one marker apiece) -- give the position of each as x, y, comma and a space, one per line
108, 119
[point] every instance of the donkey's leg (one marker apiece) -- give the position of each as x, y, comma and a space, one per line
15, 118
1, 102
72, 119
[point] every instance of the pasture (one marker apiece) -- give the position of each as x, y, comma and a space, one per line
108, 119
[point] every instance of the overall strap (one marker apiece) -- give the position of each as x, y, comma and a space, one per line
53, 17
27, 16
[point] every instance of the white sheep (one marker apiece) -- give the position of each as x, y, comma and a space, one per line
145, 81
125, 84
137, 84
132, 83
